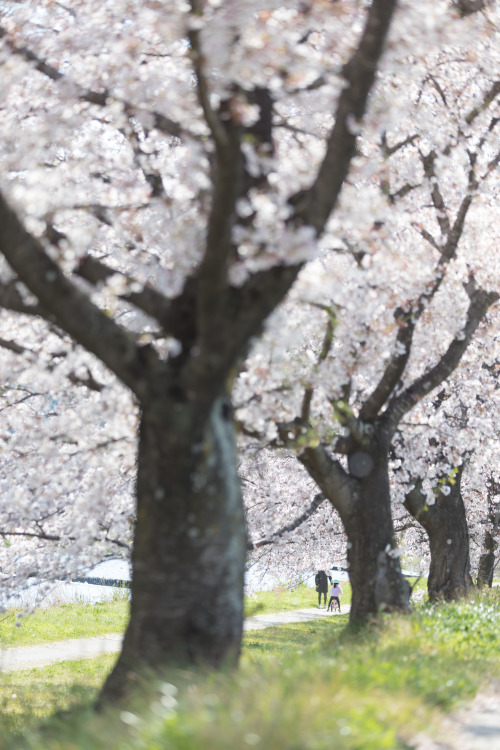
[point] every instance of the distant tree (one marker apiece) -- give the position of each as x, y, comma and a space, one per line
489, 555
457, 464
68, 458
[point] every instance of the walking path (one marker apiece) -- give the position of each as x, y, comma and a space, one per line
476, 727
26, 657
259, 622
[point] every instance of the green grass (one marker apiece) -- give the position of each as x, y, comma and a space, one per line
282, 599
304, 686
78, 620
27, 696
75, 620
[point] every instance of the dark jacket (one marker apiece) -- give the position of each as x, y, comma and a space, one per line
321, 581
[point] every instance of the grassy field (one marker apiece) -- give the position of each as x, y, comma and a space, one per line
310, 685
29, 696
74, 620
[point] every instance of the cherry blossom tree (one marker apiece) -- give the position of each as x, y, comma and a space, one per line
488, 556
461, 447
145, 167
398, 310
293, 531
68, 446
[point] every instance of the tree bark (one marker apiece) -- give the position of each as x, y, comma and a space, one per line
189, 546
487, 562
364, 505
446, 525
377, 582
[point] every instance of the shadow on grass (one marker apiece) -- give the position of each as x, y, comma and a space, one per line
284, 639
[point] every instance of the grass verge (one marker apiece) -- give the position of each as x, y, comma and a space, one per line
73, 620
31, 695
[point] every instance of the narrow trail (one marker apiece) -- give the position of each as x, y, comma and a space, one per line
27, 657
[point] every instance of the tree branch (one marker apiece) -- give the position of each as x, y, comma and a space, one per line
395, 367
331, 478
43, 536
316, 502
36, 535
13, 347
415, 502
436, 195
468, 7
427, 236
71, 309
325, 349
317, 203
480, 301
389, 150
161, 122
176, 316
149, 300
11, 299
215, 125
88, 381
489, 97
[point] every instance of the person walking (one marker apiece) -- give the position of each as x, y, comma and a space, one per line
321, 581
335, 593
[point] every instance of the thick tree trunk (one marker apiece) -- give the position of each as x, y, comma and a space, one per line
361, 496
449, 573
446, 525
486, 565
377, 582
189, 547
487, 561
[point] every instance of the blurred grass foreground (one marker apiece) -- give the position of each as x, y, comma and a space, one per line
310, 685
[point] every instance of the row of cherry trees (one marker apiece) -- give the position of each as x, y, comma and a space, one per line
409, 309
166, 176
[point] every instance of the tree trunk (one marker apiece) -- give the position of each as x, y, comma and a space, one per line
189, 546
446, 525
361, 496
377, 582
449, 574
486, 565
487, 561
